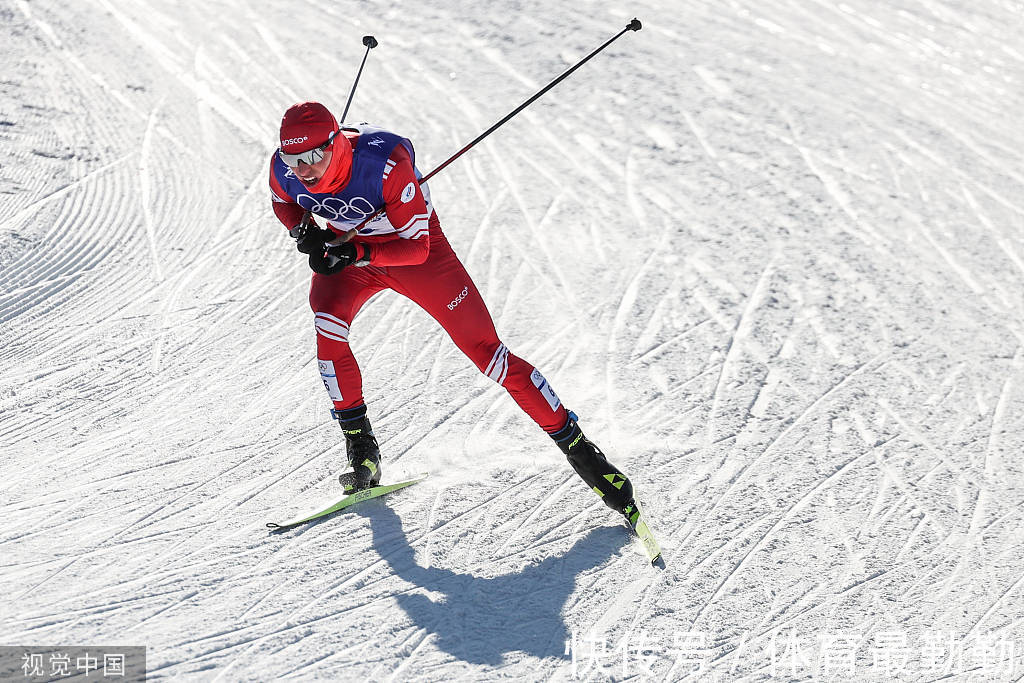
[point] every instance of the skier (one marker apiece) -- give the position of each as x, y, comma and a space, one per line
344, 175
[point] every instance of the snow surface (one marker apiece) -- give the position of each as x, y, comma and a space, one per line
772, 252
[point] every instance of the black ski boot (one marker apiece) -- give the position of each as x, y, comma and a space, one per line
361, 449
593, 467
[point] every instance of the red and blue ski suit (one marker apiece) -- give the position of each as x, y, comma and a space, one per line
408, 253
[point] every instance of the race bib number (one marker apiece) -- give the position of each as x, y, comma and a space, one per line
545, 390
330, 378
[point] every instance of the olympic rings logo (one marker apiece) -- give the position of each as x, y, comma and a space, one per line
337, 209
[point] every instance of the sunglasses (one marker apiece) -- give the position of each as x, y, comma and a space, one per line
309, 157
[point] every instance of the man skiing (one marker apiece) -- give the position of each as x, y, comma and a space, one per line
344, 176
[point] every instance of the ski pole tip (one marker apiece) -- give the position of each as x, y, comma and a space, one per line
634, 25
371, 42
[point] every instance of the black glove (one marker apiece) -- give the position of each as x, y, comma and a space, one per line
334, 259
310, 238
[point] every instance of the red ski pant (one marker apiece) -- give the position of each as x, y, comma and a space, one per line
442, 287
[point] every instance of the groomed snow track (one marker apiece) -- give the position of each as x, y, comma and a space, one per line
771, 252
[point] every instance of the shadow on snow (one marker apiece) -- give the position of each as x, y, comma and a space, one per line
480, 619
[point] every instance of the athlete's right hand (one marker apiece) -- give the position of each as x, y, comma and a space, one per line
313, 240
309, 237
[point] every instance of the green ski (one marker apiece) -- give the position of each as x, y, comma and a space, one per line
637, 522
347, 501
651, 546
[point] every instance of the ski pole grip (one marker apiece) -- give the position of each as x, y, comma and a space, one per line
634, 25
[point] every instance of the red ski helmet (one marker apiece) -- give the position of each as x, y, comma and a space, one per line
306, 125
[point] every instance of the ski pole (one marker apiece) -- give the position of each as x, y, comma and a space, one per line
307, 218
370, 42
633, 25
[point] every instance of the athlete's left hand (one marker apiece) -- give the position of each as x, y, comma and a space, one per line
333, 259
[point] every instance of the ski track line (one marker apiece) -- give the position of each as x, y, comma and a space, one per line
149, 578
478, 241
661, 576
911, 537
820, 485
792, 425
60, 571
856, 586
208, 654
636, 207
385, 666
408, 659
99, 549
549, 540
210, 77
1015, 509
745, 528
49, 35
904, 489
266, 77
118, 605
584, 512
428, 550
191, 551
586, 197
277, 587
945, 104
277, 479
145, 190
737, 334
660, 468
253, 641
941, 565
74, 615
997, 417
661, 346
178, 508
916, 435
552, 494
603, 187
307, 671
59, 514
782, 611
283, 56
987, 223
626, 303
955, 170
559, 286
641, 409
702, 139
73, 262
992, 607
90, 485
190, 345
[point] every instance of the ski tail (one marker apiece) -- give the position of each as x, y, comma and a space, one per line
637, 521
